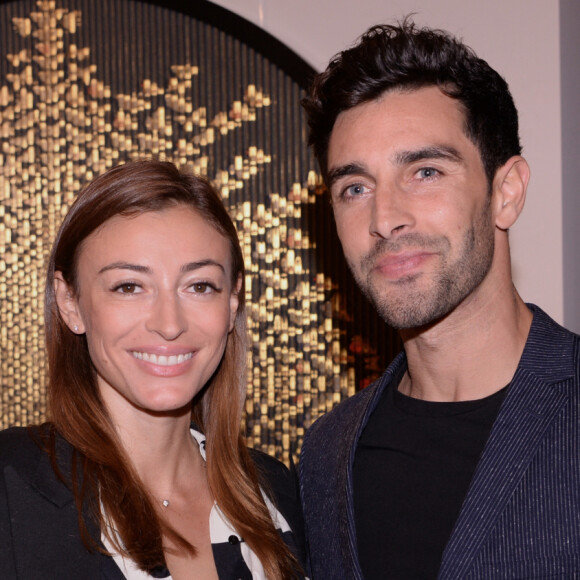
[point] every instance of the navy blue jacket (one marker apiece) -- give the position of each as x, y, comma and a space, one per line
521, 516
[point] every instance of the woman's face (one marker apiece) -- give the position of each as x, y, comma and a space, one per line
156, 302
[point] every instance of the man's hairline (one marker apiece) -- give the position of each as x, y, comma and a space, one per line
410, 88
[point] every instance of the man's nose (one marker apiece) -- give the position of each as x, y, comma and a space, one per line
390, 212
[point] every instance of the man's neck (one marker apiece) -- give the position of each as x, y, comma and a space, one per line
471, 353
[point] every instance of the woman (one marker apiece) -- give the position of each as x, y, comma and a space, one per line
145, 332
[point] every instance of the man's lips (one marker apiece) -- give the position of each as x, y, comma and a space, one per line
402, 264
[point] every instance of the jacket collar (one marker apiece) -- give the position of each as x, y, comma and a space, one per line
44, 479
539, 389
549, 349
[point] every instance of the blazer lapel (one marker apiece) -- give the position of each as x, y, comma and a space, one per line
531, 405
38, 527
42, 513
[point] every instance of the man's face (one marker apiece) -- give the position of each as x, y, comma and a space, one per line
411, 203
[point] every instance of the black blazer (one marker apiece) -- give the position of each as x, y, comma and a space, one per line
39, 530
521, 516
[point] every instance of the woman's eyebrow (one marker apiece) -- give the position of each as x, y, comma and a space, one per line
189, 267
125, 266
200, 264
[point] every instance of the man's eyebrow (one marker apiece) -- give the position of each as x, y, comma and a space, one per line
189, 267
435, 152
342, 171
400, 158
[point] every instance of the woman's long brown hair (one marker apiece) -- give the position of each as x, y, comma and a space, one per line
102, 471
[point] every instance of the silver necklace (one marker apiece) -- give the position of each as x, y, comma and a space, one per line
201, 443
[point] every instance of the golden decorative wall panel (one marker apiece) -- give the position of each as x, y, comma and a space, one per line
85, 85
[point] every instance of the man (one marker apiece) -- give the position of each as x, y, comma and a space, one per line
461, 461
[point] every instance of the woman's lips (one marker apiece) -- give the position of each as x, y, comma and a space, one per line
162, 359
164, 365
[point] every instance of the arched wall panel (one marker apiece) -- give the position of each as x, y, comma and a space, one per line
85, 85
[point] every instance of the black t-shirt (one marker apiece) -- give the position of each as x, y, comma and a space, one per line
412, 468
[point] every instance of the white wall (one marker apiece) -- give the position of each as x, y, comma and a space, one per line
570, 67
520, 39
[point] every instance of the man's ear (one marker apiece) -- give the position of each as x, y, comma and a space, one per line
68, 304
509, 191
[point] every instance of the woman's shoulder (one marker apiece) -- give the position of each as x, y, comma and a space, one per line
21, 452
269, 467
23, 447
18, 443
281, 484
277, 479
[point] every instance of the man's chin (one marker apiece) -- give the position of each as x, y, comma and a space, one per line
411, 313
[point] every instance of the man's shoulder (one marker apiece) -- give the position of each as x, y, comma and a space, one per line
348, 410
551, 350
544, 324
348, 414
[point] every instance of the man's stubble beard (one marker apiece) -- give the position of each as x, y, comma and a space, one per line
407, 307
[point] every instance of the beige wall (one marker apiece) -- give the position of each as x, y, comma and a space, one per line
520, 39
570, 72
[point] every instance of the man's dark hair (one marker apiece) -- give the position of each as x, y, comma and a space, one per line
406, 57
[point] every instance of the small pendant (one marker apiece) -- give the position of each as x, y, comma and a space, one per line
165, 503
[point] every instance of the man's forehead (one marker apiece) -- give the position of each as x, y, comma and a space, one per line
410, 98
400, 120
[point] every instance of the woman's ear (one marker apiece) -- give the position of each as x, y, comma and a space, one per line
68, 304
235, 302
509, 191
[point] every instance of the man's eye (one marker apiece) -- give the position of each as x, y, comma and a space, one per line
355, 189
428, 172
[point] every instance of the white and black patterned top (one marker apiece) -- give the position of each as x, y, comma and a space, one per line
233, 557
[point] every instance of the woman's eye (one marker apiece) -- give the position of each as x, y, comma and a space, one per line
202, 287
127, 288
